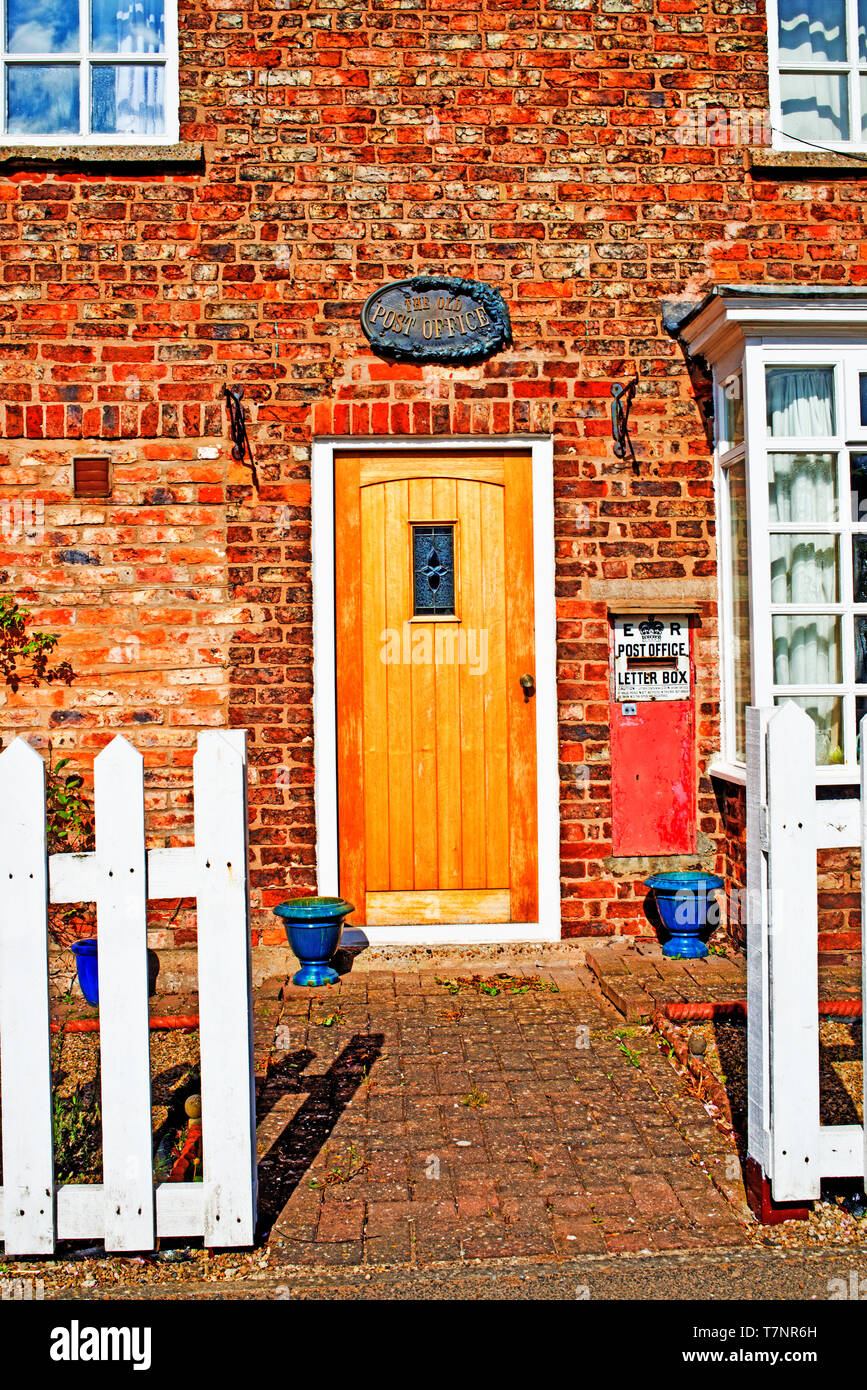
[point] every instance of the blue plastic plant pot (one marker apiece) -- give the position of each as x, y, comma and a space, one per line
86, 965
313, 928
685, 902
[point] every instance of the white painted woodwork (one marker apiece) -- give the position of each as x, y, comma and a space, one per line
863, 733
126, 1210
786, 826
124, 1037
28, 1165
793, 975
225, 988
548, 926
758, 1042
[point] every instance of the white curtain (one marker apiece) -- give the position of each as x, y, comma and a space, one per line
815, 104
800, 402
132, 95
804, 566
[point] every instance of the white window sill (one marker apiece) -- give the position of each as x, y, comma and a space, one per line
725, 771
780, 163
31, 156
736, 773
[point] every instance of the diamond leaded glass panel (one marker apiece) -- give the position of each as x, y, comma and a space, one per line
433, 570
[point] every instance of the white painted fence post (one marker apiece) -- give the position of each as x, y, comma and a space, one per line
793, 975
758, 1058
25, 1049
862, 732
121, 905
225, 988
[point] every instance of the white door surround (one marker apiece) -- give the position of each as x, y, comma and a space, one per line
325, 708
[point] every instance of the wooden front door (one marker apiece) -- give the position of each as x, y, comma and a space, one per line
436, 736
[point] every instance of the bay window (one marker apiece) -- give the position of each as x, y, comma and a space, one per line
89, 72
817, 51
790, 373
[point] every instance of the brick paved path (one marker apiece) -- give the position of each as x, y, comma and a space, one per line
371, 1150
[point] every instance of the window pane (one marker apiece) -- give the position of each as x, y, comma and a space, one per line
41, 26
127, 99
433, 569
733, 406
804, 569
807, 649
860, 711
42, 98
741, 693
826, 711
813, 30
862, 30
858, 486
863, 106
861, 650
802, 487
800, 401
815, 105
859, 568
127, 26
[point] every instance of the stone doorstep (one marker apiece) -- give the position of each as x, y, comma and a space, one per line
637, 979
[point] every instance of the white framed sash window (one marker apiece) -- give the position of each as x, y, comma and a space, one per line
89, 72
817, 71
791, 483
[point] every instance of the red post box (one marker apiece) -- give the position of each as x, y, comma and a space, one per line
652, 735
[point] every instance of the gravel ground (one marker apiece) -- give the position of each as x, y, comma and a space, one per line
75, 1069
840, 1066
840, 1218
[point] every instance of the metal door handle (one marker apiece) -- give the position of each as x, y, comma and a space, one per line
528, 685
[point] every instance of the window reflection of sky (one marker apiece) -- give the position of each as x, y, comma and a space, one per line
42, 26
117, 26
128, 26
46, 98
42, 98
127, 100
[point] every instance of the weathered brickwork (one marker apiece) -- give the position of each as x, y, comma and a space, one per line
533, 144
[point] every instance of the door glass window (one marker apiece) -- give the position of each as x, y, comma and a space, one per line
433, 571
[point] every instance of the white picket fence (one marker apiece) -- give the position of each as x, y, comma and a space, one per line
786, 827
127, 1211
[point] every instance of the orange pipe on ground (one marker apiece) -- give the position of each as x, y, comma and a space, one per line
697, 1013
184, 1022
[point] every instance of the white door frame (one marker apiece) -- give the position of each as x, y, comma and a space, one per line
547, 928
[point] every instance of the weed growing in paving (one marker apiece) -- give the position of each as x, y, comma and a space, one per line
475, 1098
330, 1019
344, 1167
631, 1056
498, 984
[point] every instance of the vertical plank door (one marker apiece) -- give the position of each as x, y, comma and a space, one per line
436, 737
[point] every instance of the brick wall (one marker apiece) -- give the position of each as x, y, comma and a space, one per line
533, 144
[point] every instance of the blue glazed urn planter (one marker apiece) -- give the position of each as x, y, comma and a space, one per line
684, 902
314, 927
85, 964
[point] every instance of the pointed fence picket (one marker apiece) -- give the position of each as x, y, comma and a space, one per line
786, 827
126, 1210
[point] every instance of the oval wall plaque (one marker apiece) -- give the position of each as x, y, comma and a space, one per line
436, 318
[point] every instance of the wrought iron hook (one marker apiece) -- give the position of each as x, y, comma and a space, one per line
238, 429
620, 406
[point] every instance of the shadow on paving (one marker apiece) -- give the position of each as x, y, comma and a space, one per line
293, 1152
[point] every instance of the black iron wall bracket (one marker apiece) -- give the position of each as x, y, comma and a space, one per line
238, 429
620, 407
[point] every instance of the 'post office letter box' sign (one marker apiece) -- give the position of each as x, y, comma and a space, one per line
651, 658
